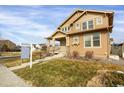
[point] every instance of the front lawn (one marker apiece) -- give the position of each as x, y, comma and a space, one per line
10, 53
16, 61
64, 73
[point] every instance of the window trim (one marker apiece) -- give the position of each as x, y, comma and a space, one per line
92, 40
97, 22
85, 39
87, 24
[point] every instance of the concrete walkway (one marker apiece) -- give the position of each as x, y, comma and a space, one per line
116, 62
37, 61
9, 79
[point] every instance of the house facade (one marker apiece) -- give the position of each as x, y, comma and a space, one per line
7, 45
82, 31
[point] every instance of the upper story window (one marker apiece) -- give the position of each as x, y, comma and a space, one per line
99, 20
65, 29
77, 26
84, 25
68, 28
90, 24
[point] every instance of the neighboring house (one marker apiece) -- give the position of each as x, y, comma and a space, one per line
84, 30
39, 46
7, 45
118, 49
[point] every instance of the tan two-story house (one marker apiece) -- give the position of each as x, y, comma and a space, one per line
82, 31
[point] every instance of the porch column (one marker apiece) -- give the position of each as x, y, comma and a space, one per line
67, 41
53, 42
48, 45
53, 45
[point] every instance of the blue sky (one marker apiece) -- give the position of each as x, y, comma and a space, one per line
31, 24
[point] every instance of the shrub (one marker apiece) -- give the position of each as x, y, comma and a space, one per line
75, 54
89, 54
44, 48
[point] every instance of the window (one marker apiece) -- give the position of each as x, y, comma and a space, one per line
77, 26
96, 40
87, 41
90, 24
75, 40
68, 28
92, 40
63, 29
98, 20
84, 25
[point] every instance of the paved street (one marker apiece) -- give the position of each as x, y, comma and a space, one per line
9, 79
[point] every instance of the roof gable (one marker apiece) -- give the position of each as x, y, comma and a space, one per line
82, 13
60, 32
75, 12
93, 11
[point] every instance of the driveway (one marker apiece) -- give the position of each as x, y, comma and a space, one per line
9, 79
117, 62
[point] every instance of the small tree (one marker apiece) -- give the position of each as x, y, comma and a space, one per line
75, 54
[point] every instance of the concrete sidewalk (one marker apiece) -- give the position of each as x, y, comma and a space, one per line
37, 61
9, 79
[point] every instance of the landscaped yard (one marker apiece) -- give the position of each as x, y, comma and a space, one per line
10, 53
10, 62
70, 73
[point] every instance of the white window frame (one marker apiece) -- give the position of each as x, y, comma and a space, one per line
97, 23
87, 25
85, 40
92, 41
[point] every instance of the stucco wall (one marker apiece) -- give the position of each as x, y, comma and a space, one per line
71, 19
91, 16
102, 51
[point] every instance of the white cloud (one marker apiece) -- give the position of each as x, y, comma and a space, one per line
24, 26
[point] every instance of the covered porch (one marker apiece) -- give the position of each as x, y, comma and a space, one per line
62, 46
